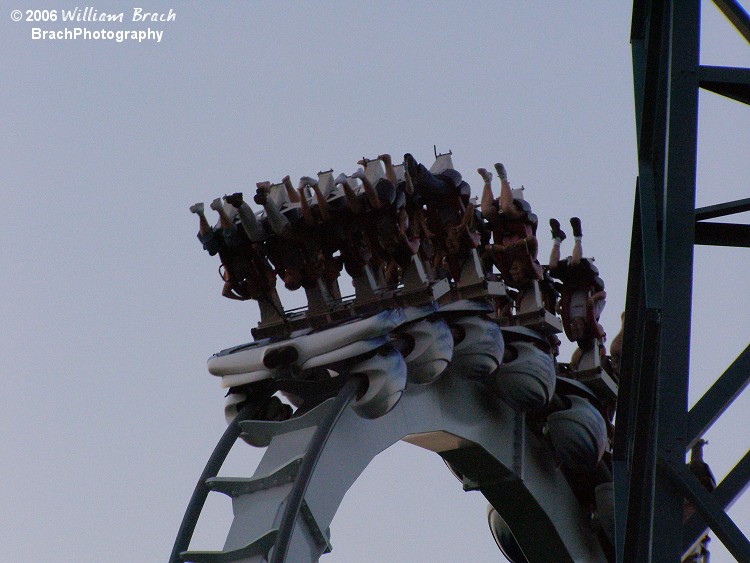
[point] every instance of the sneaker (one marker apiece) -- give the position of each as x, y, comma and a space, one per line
275, 410
285, 413
235, 200
360, 174
575, 222
411, 165
486, 176
341, 178
501, 173
261, 196
557, 232
197, 208
217, 204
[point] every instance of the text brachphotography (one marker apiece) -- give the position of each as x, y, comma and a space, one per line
86, 34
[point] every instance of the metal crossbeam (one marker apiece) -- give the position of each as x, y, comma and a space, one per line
709, 508
730, 82
737, 15
718, 398
722, 209
722, 234
733, 485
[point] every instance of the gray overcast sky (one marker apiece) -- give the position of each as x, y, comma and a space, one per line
111, 307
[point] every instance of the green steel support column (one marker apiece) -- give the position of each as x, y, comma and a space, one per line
678, 233
629, 381
654, 428
634, 460
665, 64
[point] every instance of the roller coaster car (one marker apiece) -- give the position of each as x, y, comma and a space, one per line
534, 303
591, 371
473, 283
296, 252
